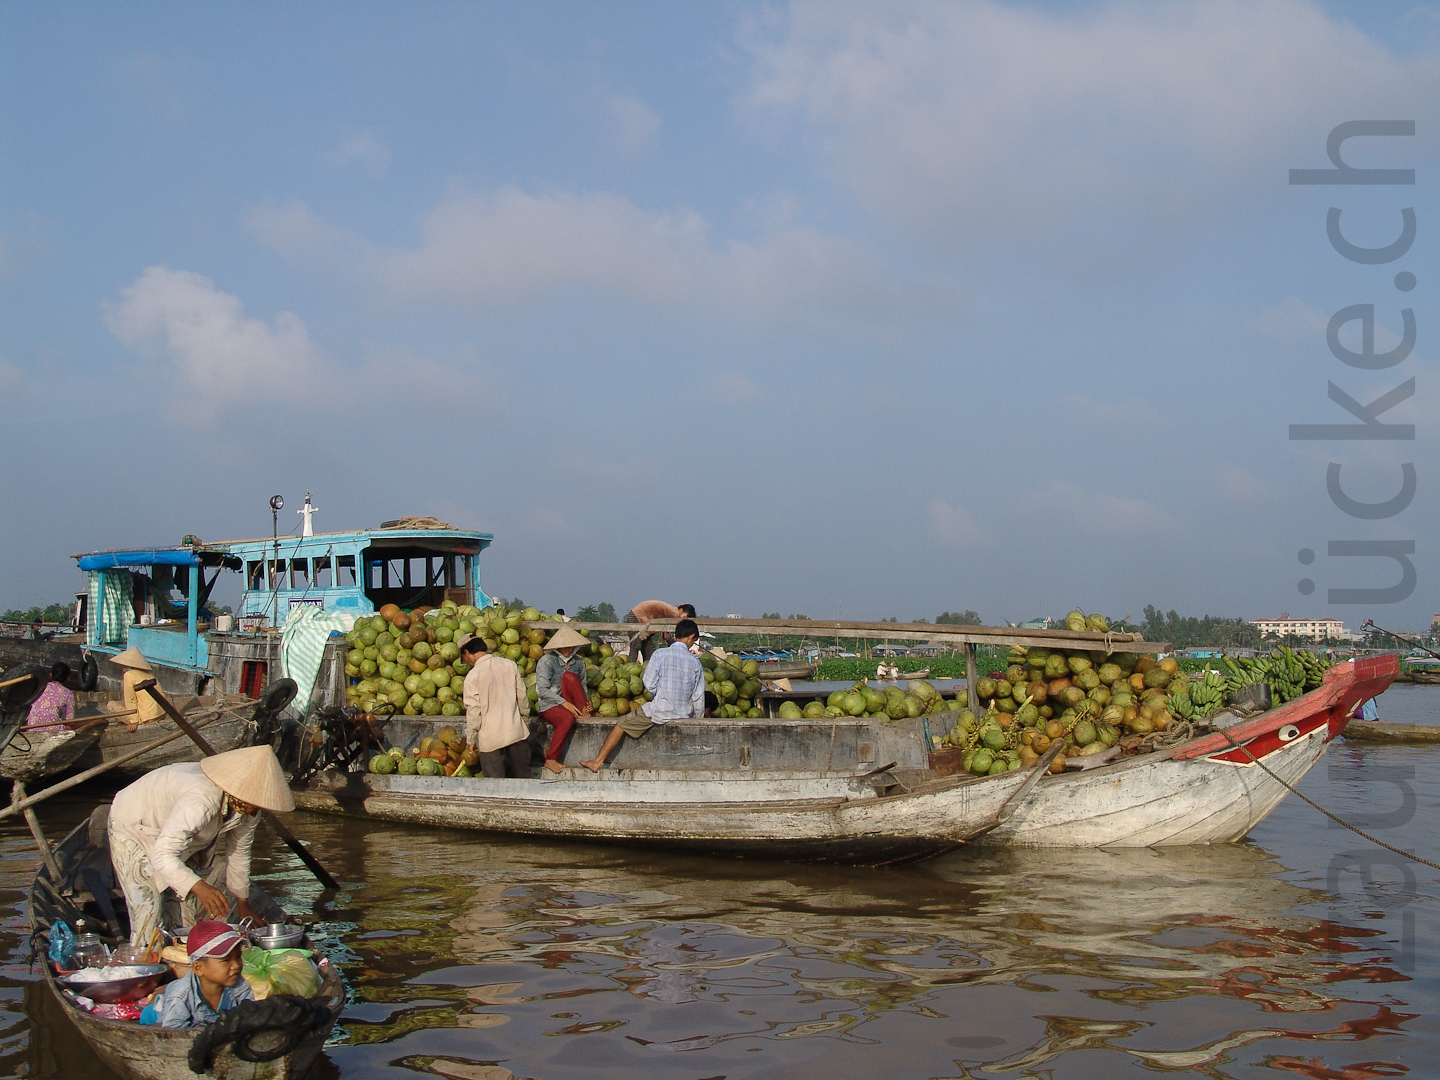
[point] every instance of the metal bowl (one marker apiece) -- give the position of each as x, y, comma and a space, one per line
117, 983
277, 936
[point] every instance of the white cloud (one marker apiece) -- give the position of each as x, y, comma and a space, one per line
960, 121
953, 526
1120, 413
1292, 320
228, 362
1074, 509
225, 358
509, 247
732, 387
633, 124
367, 148
1234, 483
12, 379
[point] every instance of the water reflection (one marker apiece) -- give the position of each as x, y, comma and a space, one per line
475, 958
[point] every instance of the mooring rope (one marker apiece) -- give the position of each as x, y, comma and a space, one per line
1333, 817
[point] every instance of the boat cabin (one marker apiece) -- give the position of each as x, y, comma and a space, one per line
158, 600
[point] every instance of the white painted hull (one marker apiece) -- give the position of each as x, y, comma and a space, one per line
1157, 803
840, 820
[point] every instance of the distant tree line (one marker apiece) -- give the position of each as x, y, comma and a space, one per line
1188, 632
604, 612
51, 613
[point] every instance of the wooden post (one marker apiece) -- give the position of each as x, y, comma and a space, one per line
972, 676
17, 792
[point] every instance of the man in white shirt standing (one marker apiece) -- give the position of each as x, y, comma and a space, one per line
675, 682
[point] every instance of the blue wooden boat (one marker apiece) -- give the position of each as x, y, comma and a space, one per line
157, 600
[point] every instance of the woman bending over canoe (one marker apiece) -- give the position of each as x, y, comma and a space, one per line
176, 819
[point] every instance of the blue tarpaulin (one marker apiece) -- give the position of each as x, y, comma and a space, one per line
108, 560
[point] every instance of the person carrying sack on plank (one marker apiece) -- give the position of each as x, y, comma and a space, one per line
641, 644
496, 710
174, 820
142, 707
560, 690
675, 682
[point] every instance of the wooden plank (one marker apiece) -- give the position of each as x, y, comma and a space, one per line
926, 632
972, 676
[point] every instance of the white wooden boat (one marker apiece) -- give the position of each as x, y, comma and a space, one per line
829, 819
785, 789
134, 1052
39, 753
1205, 791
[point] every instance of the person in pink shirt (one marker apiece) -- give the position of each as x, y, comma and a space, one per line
56, 704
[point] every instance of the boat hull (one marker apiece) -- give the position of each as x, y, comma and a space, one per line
821, 820
1203, 792
153, 1053
49, 754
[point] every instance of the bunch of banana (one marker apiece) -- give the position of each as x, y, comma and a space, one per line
1204, 696
1315, 668
1287, 675
1246, 672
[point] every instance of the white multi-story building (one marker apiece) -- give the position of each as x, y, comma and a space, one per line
1313, 629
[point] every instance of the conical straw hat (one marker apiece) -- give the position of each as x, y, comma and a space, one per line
132, 657
566, 638
251, 774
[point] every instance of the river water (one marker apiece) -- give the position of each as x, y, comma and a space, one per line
1304, 950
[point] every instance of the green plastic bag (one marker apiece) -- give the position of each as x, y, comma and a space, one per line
280, 971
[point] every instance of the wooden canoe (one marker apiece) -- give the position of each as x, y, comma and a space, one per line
40, 754
826, 819
225, 721
134, 1052
786, 669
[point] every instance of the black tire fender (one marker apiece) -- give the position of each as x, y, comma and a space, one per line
89, 673
259, 1030
276, 696
21, 695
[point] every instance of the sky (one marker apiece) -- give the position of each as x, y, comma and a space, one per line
847, 310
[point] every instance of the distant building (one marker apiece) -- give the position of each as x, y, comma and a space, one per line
1311, 629
1435, 624
734, 616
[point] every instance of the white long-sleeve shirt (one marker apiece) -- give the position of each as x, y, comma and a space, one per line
177, 811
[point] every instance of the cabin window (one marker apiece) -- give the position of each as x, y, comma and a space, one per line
459, 564
345, 570
253, 677
322, 572
255, 575
299, 573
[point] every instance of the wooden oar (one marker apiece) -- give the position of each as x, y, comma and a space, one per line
321, 874
21, 678
88, 774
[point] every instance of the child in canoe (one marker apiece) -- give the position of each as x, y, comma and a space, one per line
213, 985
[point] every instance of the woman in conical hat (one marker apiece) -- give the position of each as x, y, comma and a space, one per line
140, 706
560, 690
167, 829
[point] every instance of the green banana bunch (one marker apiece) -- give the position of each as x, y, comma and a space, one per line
1207, 694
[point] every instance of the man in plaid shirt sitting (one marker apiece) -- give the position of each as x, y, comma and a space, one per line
675, 682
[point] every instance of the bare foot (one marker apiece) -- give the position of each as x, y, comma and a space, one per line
593, 766
554, 766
